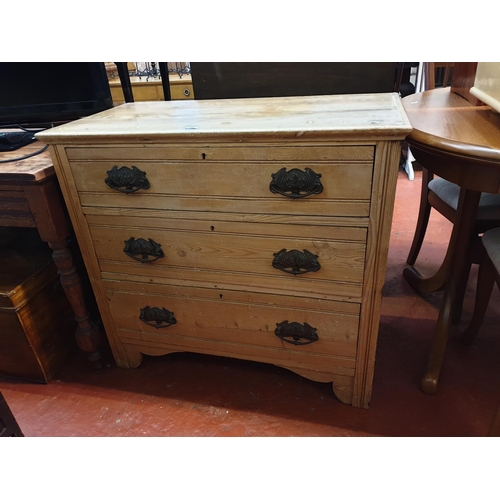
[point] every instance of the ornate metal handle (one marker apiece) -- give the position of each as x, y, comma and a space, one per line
296, 183
295, 333
126, 180
143, 250
296, 262
159, 318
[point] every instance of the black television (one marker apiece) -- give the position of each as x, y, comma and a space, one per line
43, 94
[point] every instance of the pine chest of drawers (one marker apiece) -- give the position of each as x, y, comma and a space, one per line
251, 228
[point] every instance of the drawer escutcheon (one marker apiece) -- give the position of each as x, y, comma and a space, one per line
296, 183
296, 262
157, 317
126, 180
295, 333
143, 250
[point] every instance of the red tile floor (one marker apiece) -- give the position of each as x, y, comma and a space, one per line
196, 395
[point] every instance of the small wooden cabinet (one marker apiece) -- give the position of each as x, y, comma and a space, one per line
251, 228
36, 319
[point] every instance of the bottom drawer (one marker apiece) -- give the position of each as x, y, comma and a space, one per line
190, 317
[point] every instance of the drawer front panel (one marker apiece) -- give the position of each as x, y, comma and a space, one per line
233, 322
217, 186
220, 153
296, 258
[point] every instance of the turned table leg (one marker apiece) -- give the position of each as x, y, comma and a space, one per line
47, 207
88, 335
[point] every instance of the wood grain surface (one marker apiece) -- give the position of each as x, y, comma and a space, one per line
209, 206
360, 116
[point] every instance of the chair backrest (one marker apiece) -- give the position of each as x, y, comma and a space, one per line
438, 74
249, 79
123, 73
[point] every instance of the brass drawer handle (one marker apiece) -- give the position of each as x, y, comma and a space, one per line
296, 183
296, 262
126, 180
295, 333
156, 317
143, 250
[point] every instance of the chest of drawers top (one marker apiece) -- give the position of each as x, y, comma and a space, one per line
357, 116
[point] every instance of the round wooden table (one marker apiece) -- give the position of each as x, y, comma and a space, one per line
460, 143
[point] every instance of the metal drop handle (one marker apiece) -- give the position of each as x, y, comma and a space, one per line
296, 183
143, 250
296, 262
126, 180
295, 333
157, 317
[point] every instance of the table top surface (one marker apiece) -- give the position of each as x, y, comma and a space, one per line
446, 121
34, 169
369, 116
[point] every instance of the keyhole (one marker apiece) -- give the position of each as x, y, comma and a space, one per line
212, 228
220, 295
203, 155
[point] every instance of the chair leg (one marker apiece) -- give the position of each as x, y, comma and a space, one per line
423, 218
475, 256
459, 298
485, 282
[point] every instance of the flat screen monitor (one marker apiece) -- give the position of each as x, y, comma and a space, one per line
46, 93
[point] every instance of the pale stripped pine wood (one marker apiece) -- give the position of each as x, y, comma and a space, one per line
225, 152
285, 285
282, 206
357, 117
383, 194
222, 320
279, 357
340, 261
341, 376
302, 229
169, 218
206, 158
206, 290
347, 181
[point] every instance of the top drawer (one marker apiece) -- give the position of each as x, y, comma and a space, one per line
334, 180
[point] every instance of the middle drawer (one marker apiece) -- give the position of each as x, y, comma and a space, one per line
296, 257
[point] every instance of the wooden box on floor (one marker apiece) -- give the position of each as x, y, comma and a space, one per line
37, 325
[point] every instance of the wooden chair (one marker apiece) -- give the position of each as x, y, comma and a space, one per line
442, 195
8, 424
489, 273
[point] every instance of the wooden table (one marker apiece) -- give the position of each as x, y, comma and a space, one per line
461, 143
30, 197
